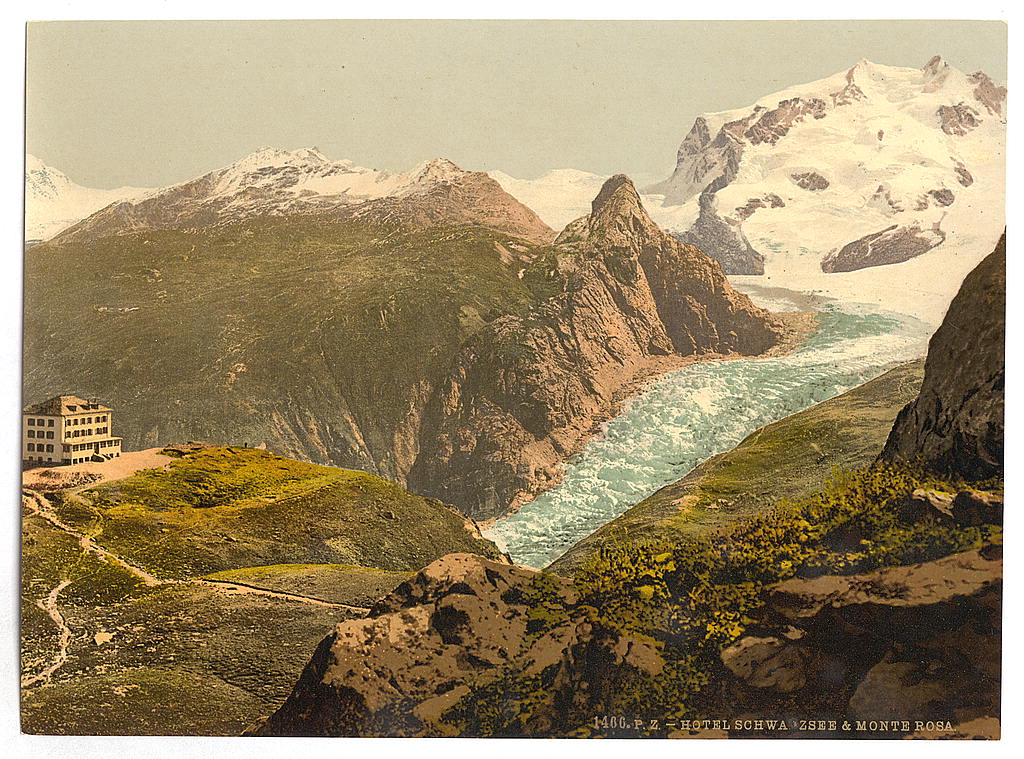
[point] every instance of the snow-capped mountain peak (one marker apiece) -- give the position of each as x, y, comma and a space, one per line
873, 166
816, 185
275, 182
53, 202
433, 172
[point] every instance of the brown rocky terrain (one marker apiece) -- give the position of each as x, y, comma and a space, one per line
956, 423
910, 644
469, 644
526, 390
467, 198
457, 625
439, 192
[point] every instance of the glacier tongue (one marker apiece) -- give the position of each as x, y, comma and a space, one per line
693, 413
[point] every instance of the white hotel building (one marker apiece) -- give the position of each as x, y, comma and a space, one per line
67, 429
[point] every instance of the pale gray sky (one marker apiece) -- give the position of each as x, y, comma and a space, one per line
153, 103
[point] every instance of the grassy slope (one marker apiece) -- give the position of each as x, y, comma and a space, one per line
182, 659
267, 510
193, 658
263, 327
787, 459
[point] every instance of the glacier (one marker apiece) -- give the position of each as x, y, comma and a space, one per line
688, 415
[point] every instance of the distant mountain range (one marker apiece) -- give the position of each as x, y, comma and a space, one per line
274, 182
872, 166
875, 165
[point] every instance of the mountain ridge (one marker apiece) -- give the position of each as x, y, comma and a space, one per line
275, 182
53, 202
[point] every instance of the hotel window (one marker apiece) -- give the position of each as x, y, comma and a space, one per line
31, 422
49, 422
49, 448
31, 446
31, 433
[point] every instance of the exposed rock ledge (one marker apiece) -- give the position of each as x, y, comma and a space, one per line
912, 643
956, 423
892, 245
458, 623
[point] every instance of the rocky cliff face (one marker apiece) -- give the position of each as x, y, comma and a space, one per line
956, 423
526, 390
723, 237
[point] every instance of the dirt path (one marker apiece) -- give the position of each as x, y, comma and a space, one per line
49, 605
38, 505
231, 586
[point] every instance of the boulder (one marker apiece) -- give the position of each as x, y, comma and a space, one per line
460, 624
922, 504
975, 507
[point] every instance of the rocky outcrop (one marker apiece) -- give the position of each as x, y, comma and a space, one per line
963, 176
956, 423
957, 119
892, 245
769, 200
721, 238
773, 124
810, 180
987, 93
909, 644
525, 391
701, 160
456, 626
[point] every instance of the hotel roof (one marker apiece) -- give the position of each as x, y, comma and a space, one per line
63, 405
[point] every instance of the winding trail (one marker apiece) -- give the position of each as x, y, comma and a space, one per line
37, 505
49, 605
